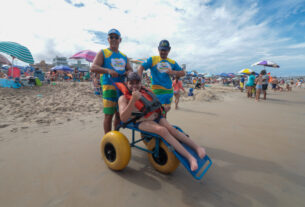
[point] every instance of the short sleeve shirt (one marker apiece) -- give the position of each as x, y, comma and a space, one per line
158, 68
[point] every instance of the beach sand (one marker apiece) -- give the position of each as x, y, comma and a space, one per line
50, 155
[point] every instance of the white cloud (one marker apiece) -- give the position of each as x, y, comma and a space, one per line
221, 39
300, 45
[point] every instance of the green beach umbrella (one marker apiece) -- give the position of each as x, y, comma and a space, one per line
17, 51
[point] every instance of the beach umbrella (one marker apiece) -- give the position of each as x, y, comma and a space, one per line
17, 51
224, 75
246, 71
62, 67
266, 63
84, 54
4, 60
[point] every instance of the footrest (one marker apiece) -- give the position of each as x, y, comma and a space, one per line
203, 164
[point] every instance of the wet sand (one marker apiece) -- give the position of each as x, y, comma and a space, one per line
257, 149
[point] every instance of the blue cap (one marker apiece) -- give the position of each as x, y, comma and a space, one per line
114, 31
164, 45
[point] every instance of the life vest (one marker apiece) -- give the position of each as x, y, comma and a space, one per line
147, 104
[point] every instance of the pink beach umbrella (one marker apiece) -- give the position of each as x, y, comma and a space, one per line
4, 60
84, 54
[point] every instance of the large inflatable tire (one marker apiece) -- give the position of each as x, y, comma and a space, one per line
167, 162
115, 150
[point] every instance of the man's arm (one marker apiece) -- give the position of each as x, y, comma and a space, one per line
128, 67
140, 70
96, 66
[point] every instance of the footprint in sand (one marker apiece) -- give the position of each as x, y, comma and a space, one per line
4, 125
14, 130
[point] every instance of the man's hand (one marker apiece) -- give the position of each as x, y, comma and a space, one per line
113, 73
170, 72
166, 108
136, 95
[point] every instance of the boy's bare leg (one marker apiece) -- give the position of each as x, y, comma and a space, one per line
183, 138
151, 126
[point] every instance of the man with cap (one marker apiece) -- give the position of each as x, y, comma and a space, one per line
113, 65
161, 68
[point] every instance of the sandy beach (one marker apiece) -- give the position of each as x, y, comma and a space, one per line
50, 155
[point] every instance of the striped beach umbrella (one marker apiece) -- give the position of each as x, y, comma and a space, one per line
17, 51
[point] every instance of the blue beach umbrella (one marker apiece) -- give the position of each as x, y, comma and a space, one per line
62, 67
17, 51
224, 75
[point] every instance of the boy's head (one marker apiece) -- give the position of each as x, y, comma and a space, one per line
134, 81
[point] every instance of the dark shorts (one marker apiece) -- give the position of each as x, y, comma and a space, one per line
264, 87
273, 86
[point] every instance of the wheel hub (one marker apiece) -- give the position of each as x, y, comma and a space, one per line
109, 152
161, 159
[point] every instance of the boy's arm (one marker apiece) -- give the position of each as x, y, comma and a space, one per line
125, 107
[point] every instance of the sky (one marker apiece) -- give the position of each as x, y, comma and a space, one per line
208, 36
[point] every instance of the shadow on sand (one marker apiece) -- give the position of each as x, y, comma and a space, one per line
220, 186
200, 112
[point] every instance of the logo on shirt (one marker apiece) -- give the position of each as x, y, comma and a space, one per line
163, 67
118, 64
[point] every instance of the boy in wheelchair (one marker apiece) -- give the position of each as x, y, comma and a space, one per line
153, 121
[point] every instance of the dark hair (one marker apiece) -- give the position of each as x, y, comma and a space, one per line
263, 72
133, 76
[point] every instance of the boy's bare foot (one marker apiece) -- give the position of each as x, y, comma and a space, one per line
193, 164
200, 152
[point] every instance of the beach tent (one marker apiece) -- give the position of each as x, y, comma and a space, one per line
14, 72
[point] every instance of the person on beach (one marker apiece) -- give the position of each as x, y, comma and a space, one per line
177, 86
2, 74
288, 87
203, 82
113, 65
259, 86
161, 68
274, 83
241, 83
156, 123
265, 83
250, 84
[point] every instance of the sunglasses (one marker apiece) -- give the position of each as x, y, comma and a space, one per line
114, 37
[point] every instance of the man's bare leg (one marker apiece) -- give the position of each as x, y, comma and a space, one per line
151, 126
116, 120
107, 122
183, 138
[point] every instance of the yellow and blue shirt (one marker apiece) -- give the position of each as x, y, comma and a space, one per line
116, 61
161, 81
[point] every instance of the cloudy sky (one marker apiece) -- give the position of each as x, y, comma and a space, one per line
206, 35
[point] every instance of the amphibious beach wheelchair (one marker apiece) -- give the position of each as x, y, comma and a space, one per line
116, 151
